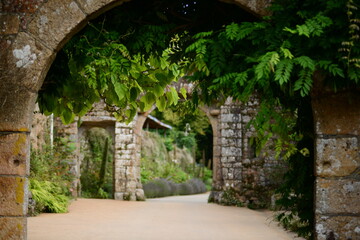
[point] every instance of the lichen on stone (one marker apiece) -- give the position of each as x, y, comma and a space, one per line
24, 56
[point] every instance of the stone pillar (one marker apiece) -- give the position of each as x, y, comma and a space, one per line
14, 169
337, 165
127, 163
231, 144
217, 172
213, 113
243, 174
228, 150
70, 133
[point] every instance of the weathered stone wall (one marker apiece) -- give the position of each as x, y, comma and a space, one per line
248, 176
70, 133
39, 130
127, 163
256, 7
127, 185
337, 168
213, 113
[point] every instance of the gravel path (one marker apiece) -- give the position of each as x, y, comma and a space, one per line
171, 218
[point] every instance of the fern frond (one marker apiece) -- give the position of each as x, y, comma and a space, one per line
203, 34
283, 71
312, 27
286, 52
332, 68
305, 62
237, 32
217, 60
197, 44
304, 83
267, 64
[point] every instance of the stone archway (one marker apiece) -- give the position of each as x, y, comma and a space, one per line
31, 33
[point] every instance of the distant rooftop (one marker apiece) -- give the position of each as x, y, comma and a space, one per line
154, 123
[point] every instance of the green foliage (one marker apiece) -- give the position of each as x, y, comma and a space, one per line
313, 27
104, 161
157, 162
207, 178
183, 114
51, 177
126, 57
128, 72
169, 144
231, 198
151, 170
186, 117
175, 173
183, 140
296, 191
53, 164
48, 196
153, 146
277, 56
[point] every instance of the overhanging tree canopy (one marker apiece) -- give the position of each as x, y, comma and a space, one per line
123, 57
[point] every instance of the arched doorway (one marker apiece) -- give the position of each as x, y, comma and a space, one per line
96, 160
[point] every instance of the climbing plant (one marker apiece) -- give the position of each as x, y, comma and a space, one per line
187, 117
128, 56
123, 57
278, 59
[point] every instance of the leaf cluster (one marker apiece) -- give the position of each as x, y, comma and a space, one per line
276, 58
48, 197
51, 177
123, 57
128, 72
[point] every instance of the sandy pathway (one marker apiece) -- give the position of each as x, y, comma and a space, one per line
168, 218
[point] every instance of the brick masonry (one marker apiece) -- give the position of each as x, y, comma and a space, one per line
245, 174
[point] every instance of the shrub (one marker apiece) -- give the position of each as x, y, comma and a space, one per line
51, 177
164, 187
174, 173
198, 185
151, 170
48, 197
186, 189
207, 178
230, 198
157, 188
